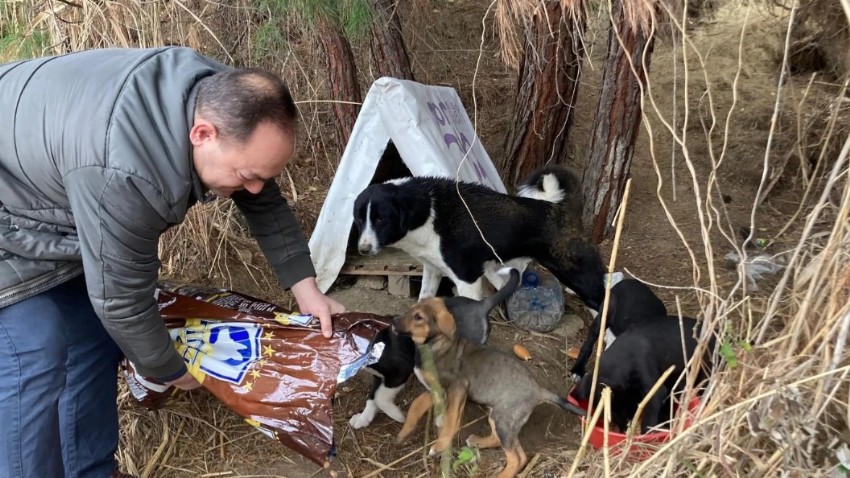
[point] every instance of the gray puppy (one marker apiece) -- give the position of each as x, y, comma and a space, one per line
400, 358
486, 375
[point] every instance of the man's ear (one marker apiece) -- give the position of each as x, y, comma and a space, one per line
202, 131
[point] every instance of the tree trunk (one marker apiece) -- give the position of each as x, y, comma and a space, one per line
616, 125
547, 89
389, 51
342, 74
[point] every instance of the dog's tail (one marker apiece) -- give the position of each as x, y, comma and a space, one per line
551, 183
563, 403
494, 300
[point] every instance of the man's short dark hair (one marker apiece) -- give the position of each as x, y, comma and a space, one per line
238, 100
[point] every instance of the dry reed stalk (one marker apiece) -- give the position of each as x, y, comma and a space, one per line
526, 472
475, 130
634, 428
815, 183
606, 403
584, 441
603, 318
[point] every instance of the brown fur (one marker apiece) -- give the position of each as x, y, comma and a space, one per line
484, 375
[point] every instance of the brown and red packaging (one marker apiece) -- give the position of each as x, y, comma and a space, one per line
272, 367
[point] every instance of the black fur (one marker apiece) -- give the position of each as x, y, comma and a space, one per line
635, 361
396, 363
517, 227
631, 302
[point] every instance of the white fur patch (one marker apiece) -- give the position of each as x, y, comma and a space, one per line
430, 281
368, 239
609, 338
551, 191
385, 400
364, 418
423, 243
499, 277
474, 291
397, 181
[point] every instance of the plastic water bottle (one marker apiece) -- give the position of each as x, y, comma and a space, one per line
538, 303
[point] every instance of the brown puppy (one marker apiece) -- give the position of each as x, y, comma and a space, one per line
487, 376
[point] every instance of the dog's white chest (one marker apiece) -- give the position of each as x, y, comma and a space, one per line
609, 338
424, 244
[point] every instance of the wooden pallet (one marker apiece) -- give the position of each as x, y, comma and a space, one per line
397, 266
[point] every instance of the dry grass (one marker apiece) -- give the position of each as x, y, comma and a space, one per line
822, 33
512, 16
783, 409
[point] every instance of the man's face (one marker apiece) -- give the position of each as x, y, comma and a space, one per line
225, 166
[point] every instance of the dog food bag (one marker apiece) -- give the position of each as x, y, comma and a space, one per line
272, 367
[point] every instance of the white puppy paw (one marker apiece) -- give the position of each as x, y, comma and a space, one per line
360, 420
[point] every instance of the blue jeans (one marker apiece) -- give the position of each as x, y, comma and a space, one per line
58, 387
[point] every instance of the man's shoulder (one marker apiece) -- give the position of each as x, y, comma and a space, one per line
180, 60
151, 120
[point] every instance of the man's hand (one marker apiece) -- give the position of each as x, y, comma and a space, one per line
312, 301
185, 382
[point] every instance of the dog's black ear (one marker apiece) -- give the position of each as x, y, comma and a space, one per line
401, 212
358, 211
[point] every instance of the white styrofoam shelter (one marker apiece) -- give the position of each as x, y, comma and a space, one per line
432, 132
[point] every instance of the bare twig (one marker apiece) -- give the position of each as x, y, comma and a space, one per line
603, 317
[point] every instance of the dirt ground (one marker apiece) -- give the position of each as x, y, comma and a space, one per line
650, 247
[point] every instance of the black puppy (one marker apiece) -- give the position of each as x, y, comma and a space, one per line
631, 302
399, 359
636, 360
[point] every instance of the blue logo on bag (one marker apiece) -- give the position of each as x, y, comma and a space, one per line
224, 350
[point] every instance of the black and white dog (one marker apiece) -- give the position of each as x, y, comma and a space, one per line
400, 359
631, 302
426, 217
637, 359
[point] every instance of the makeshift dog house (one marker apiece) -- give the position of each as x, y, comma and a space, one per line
433, 136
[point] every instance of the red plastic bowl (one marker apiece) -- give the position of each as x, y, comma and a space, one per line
642, 445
